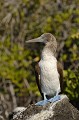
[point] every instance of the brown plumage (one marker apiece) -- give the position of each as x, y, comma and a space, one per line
60, 71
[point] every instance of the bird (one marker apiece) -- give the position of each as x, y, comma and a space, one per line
49, 71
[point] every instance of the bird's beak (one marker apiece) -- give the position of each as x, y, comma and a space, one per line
39, 39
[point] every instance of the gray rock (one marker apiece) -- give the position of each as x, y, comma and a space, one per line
60, 110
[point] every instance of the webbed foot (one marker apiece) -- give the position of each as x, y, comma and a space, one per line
42, 103
55, 98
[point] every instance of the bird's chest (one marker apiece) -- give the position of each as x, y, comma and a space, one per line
48, 68
49, 76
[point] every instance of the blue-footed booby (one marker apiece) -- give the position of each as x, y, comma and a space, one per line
49, 72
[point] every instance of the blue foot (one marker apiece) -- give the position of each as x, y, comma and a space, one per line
55, 98
41, 103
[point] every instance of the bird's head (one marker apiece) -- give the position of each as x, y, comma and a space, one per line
47, 38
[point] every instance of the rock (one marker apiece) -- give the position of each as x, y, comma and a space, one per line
60, 110
1, 118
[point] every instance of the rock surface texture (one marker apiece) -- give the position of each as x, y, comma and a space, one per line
60, 110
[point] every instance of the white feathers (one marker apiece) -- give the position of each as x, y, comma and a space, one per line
49, 75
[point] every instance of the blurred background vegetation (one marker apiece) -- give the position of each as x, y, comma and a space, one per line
21, 20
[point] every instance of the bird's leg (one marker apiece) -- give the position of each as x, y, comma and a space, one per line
44, 96
55, 98
43, 102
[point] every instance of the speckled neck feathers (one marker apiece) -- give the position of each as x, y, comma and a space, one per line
49, 50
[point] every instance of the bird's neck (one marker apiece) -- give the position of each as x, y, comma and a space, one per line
47, 54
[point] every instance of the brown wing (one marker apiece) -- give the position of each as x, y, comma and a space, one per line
37, 74
60, 71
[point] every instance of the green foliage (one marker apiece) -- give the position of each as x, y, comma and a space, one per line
72, 83
71, 72
13, 62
